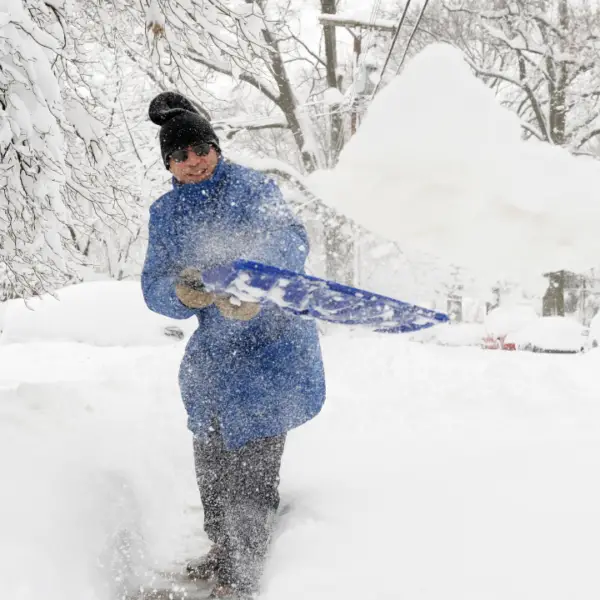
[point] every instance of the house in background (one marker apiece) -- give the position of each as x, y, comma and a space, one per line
568, 293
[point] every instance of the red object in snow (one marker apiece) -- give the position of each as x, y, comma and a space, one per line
497, 343
490, 342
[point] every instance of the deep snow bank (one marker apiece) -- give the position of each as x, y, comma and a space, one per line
102, 313
438, 165
96, 469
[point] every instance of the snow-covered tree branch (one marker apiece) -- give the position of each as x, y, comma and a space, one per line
545, 53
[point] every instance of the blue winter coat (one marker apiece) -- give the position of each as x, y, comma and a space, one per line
259, 378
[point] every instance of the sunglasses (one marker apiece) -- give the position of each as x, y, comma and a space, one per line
182, 155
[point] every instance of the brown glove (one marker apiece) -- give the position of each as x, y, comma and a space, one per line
232, 308
189, 290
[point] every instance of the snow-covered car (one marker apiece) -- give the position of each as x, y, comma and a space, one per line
558, 335
101, 313
504, 321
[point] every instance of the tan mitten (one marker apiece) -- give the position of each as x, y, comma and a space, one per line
189, 290
232, 308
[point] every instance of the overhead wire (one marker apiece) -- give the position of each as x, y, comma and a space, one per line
348, 103
412, 35
392, 45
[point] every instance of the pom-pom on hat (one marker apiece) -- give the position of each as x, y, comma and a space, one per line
181, 125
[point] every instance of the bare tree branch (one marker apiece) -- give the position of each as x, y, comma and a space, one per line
245, 77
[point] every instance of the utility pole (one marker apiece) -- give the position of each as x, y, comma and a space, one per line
342, 247
330, 20
329, 34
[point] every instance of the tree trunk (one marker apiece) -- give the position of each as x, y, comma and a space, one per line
287, 101
554, 299
329, 34
558, 106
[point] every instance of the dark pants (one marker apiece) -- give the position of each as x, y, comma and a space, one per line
240, 498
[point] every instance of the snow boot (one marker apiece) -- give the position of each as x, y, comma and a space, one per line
207, 567
223, 591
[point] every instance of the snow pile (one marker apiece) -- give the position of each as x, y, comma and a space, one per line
102, 313
439, 166
452, 334
96, 469
507, 319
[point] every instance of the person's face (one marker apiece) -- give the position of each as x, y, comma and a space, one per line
189, 166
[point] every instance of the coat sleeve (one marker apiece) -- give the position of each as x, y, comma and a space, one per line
283, 241
158, 276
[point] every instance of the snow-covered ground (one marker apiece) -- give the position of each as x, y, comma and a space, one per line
433, 472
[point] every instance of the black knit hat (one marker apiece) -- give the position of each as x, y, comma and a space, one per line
181, 125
